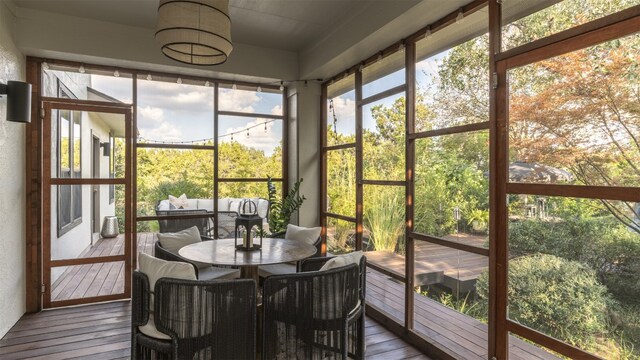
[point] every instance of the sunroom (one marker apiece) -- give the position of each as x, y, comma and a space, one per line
483, 155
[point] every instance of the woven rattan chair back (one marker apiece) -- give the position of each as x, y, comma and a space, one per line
204, 319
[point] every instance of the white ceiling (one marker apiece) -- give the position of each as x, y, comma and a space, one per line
279, 24
273, 39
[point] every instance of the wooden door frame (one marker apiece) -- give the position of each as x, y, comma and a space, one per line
49, 104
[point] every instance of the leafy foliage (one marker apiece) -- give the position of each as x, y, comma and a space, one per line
384, 218
599, 242
559, 297
281, 209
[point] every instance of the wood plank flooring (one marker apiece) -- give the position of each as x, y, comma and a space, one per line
83, 281
103, 331
434, 264
459, 335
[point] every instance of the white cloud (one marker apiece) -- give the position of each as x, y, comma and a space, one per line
242, 101
345, 110
153, 126
277, 110
258, 138
193, 97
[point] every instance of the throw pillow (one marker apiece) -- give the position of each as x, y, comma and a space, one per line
155, 269
308, 235
343, 260
179, 202
173, 242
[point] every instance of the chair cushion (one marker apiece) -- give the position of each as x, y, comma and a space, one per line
343, 260
308, 235
234, 205
179, 202
223, 204
173, 242
155, 269
206, 204
276, 269
164, 205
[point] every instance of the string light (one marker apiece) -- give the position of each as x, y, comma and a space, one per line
259, 88
231, 134
460, 17
207, 84
81, 69
427, 33
179, 81
149, 77
234, 86
401, 46
265, 128
45, 66
116, 73
335, 118
361, 67
281, 86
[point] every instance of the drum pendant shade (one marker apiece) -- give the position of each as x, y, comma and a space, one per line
195, 32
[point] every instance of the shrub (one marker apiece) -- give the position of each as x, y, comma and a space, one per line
384, 217
602, 243
558, 297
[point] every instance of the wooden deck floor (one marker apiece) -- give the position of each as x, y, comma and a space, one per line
458, 335
454, 269
103, 331
82, 281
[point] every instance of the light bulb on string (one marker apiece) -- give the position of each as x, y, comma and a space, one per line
427, 34
179, 81
45, 66
232, 137
259, 89
81, 69
234, 86
149, 77
265, 126
247, 132
116, 73
281, 86
207, 84
460, 17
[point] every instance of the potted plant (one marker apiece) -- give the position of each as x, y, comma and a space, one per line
280, 210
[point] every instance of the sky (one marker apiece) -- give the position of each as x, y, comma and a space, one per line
174, 112
344, 105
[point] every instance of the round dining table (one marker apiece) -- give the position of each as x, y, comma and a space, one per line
223, 252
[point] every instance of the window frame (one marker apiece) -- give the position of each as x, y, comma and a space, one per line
75, 191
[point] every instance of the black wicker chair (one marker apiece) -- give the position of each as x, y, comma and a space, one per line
202, 273
357, 325
203, 319
178, 224
307, 315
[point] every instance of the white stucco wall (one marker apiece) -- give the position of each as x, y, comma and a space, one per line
12, 185
308, 146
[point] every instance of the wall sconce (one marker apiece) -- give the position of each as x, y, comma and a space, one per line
106, 148
18, 100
